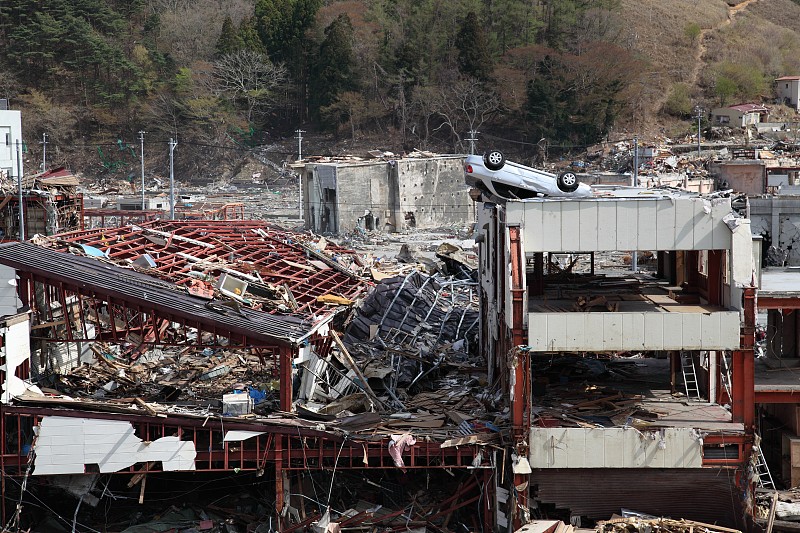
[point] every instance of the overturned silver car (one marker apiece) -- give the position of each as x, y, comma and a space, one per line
504, 179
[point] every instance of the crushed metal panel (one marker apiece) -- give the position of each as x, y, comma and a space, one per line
65, 445
615, 448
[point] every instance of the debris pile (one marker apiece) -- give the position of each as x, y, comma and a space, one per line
658, 525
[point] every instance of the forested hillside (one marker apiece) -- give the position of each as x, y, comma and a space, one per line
408, 73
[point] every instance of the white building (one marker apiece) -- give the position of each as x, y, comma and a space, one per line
788, 89
10, 133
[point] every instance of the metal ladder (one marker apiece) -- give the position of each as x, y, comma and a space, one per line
762, 470
726, 376
689, 376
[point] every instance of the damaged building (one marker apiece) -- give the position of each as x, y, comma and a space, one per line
385, 194
142, 359
621, 383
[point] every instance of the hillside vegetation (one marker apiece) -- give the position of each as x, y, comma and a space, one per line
532, 77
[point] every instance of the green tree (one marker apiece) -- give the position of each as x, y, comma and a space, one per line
333, 71
678, 103
228, 41
724, 89
692, 31
474, 58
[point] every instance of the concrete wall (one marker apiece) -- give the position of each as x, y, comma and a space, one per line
745, 176
778, 219
789, 90
10, 133
433, 192
386, 195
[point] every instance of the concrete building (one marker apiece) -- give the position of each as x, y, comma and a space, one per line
693, 316
10, 134
748, 176
397, 194
788, 89
777, 219
738, 116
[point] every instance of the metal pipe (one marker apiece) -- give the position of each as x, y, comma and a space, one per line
172, 144
19, 191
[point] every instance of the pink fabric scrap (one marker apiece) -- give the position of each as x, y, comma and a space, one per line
398, 445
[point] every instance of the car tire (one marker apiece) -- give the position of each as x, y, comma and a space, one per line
568, 182
494, 160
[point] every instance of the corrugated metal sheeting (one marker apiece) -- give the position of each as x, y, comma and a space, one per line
108, 279
703, 494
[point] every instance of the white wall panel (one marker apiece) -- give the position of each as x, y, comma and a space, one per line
570, 223
588, 226
607, 224
615, 448
605, 332
551, 221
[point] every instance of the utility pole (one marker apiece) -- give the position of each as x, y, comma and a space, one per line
473, 136
19, 191
299, 143
172, 145
634, 183
141, 142
699, 111
44, 152
299, 138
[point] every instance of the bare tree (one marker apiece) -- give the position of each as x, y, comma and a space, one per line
250, 76
464, 105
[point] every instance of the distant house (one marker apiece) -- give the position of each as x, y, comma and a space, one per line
10, 135
738, 116
788, 89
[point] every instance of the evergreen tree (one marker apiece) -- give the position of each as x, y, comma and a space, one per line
474, 58
333, 71
248, 38
228, 38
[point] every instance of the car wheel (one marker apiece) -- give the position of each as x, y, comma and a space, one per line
494, 160
568, 182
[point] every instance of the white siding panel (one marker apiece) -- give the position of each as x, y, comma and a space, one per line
575, 448
612, 334
588, 226
729, 331
684, 229
606, 225
692, 332
595, 448
648, 225
633, 329
557, 329
627, 225
711, 327
551, 222
721, 234
533, 229
665, 222
570, 226
537, 332
654, 331
672, 327
576, 330
703, 226
614, 448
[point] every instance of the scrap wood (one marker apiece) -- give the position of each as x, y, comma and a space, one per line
354, 367
478, 438
141, 473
